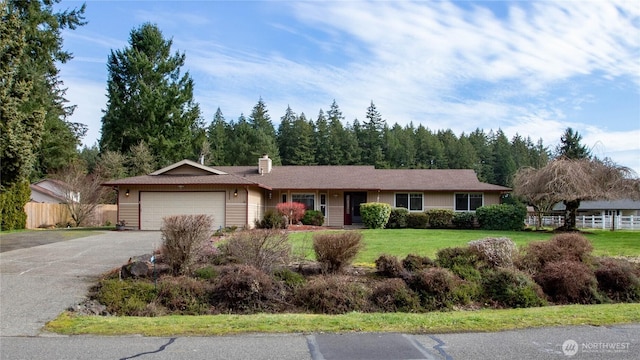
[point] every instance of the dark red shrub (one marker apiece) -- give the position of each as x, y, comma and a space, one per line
435, 286
389, 266
241, 288
333, 295
335, 251
184, 295
568, 282
616, 278
415, 262
567, 246
393, 295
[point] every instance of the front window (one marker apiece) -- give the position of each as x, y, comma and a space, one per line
307, 199
468, 201
411, 201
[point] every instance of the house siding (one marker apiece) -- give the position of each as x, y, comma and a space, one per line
235, 207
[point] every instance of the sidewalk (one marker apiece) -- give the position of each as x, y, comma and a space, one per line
38, 283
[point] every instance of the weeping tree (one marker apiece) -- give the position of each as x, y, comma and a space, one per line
571, 181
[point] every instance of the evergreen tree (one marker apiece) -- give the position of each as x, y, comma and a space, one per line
370, 139
504, 167
339, 140
149, 100
484, 165
287, 137
31, 92
302, 150
263, 136
539, 155
570, 146
322, 140
240, 147
430, 153
218, 138
141, 160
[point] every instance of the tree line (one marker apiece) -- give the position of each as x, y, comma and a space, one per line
151, 120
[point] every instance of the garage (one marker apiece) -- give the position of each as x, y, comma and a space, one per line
156, 205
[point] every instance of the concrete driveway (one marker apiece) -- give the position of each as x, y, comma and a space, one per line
38, 283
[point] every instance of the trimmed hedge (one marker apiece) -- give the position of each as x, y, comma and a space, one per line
313, 217
417, 220
440, 218
501, 217
375, 215
398, 218
464, 220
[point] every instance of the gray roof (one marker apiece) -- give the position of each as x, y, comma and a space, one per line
327, 177
625, 204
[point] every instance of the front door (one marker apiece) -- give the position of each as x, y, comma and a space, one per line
352, 201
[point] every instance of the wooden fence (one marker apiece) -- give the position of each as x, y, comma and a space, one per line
590, 222
41, 215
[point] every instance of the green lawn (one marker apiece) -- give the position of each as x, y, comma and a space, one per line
401, 242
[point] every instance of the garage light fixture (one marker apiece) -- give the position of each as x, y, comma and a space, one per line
235, 193
126, 193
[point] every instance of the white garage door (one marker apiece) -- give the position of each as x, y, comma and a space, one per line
156, 205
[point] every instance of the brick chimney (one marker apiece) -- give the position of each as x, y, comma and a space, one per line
264, 164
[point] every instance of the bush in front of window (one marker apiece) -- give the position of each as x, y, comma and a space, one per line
440, 218
375, 215
418, 220
292, 211
397, 218
502, 217
464, 220
313, 217
271, 220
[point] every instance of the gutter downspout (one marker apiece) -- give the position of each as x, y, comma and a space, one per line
246, 188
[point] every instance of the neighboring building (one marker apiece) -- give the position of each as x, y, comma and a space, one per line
52, 191
625, 207
240, 195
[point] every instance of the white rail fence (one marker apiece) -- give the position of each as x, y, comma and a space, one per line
590, 222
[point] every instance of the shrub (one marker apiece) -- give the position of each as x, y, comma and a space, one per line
333, 295
502, 217
415, 262
181, 236
440, 218
435, 287
290, 278
392, 295
567, 246
272, 220
389, 266
206, 273
241, 288
313, 217
262, 249
397, 218
184, 295
461, 261
617, 280
291, 211
417, 220
335, 251
12, 201
464, 220
568, 282
497, 252
125, 297
512, 288
375, 215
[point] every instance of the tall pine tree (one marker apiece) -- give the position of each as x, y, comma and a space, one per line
149, 99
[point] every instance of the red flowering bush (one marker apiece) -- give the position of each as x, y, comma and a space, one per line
293, 211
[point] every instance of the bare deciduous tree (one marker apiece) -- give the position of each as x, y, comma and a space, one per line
572, 181
82, 191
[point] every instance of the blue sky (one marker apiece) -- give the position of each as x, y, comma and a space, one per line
532, 68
